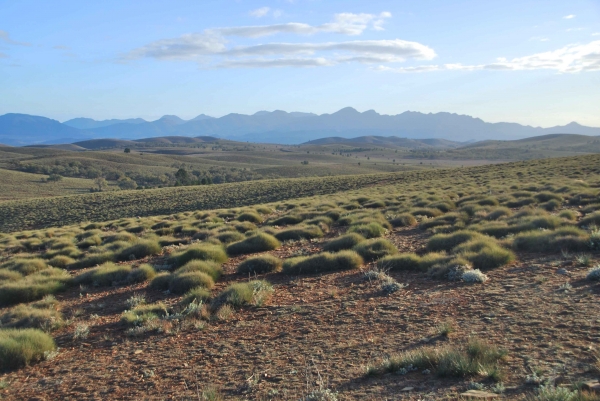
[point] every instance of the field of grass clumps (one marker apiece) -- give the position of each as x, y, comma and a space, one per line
185, 269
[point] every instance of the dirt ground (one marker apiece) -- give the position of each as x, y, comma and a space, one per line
321, 331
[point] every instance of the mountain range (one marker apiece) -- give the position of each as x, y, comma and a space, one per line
275, 127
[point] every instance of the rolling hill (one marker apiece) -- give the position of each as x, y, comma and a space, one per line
278, 127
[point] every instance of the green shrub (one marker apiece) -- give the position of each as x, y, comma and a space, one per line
26, 316
213, 269
27, 266
34, 287
294, 234
286, 220
141, 274
473, 359
182, 283
375, 248
20, 347
371, 230
260, 264
347, 241
140, 249
230, 236
161, 281
61, 261
404, 261
446, 242
198, 294
323, 262
403, 220
105, 275
200, 252
255, 292
260, 242
251, 217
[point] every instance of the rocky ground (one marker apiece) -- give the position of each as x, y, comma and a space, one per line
321, 331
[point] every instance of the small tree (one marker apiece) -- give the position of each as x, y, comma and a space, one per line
55, 177
127, 183
127, 150
101, 183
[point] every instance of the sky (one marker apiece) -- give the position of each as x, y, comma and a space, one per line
531, 62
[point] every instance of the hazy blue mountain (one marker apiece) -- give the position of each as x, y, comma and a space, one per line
286, 128
23, 129
389, 141
89, 123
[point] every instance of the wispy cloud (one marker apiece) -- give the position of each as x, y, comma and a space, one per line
260, 12
596, 34
5, 37
570, 16
61, 47
539, 38
569, 59
2, 55
212, 49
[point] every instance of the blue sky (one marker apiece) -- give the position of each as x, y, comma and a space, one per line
532, 62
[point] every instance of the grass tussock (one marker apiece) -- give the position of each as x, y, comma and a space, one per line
446, 242
184, 282
213, 269
215, 253
141, 274
250, 217
105, 275
298, 233
403, 220
475, 358
343, 242
140, 249
375, 248
26, 266
21, 347
198, 294
32, 316
370, 230
260, 265
260, 242
255, 292
569, 239
161, 281
34, 287
323, 262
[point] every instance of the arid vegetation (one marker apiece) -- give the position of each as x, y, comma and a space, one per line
357, 287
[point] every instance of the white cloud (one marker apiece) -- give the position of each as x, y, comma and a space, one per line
277, 13
539, 38
569, 59
212, 49
596, 34
5, 37
186, 47
260, 12
343, 23
570, 16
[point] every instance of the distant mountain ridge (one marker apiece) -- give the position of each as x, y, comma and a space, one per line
277, 127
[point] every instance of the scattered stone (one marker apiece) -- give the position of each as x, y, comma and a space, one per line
408, 389
138, 351
478, 395
563, 271
592, 386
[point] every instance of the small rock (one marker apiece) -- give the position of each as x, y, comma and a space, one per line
138, 351
426, 372
592, 386
478, 395
408, 389
562, 271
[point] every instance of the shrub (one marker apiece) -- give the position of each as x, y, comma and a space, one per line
498, 213
200, 252
120, 236
370, 230
375, 248
591, 219
547, 196
195, 295
260, 242
347, 241
286, 220
182, 283
143, 313
141, 249
104, 275
426, 212
404, 261
251, 217
570, 215
161, 281
403, 220
31, 316
245, 226
255, 292
485, 255
551, 205
230, 236
446, 242
34, 287
323, 262
9, 275
141, 274
474, 276
27, 266
61, 261
20, 347
93, 260
474, 358
490, 201
567, 239
260, 264
294, 234
594, 274
205, 266
93, 240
